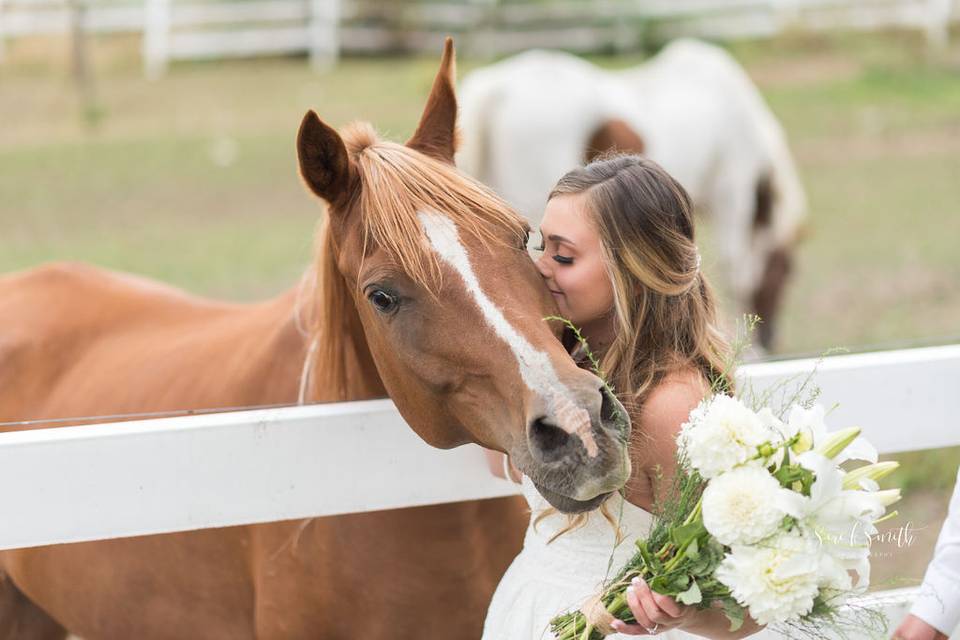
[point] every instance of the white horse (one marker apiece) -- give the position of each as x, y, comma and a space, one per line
529, 119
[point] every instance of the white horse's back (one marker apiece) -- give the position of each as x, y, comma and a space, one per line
526, 121
735, 108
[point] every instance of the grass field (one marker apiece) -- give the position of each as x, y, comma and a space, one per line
874, 125
192, 179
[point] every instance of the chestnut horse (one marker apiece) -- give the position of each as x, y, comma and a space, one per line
424, 292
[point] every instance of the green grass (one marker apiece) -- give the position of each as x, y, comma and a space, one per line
161, 207
875, 142
145, 191
872, 122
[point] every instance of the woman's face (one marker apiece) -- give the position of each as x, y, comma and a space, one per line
572, 262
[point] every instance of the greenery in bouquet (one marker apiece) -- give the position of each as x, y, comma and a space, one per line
760, 519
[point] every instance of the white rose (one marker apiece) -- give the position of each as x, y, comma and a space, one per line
745, 505
721, 434
777, 579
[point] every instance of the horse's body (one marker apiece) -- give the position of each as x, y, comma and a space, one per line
74, 330
77, 341
111, 344
692, 108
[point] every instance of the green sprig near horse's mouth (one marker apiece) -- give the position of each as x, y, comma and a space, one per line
621, 419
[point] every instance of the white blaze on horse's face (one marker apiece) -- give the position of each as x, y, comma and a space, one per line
536, 370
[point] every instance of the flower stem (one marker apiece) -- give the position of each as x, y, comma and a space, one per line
697, 510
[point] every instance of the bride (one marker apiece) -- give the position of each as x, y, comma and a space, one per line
620, 259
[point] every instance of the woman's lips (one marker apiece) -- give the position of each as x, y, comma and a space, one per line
556, 293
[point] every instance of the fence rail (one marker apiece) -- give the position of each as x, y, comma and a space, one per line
325, 27
112, 480
91, 482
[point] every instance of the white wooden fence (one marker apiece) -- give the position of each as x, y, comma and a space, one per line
190, 29
102, 481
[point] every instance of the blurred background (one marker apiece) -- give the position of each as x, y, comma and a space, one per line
157, 137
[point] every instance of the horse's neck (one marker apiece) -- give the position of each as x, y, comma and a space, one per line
274, 347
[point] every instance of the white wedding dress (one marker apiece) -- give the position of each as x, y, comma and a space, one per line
546, 580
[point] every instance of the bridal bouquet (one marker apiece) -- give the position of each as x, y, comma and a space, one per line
762, 519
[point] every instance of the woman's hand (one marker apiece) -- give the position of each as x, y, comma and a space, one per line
500, 465
655, 613
913, 628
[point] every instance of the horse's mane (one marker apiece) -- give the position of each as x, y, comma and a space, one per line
397, 184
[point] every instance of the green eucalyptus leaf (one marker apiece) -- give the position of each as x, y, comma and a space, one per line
662, 584
691, 595
705, 563
686, 533
680, 582
734, 613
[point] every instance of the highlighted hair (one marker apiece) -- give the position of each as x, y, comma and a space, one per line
665, 310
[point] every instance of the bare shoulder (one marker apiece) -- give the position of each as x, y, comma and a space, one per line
670, 402
664, 411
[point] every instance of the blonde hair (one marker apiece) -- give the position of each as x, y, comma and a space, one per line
665, 312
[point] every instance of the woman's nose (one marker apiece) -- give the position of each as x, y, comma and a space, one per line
543, 266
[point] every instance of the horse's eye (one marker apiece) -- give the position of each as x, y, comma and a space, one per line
526, 240
383, 301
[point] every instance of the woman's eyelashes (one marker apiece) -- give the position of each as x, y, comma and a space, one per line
557, 257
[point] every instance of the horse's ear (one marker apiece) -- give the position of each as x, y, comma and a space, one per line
324, 163
436, 134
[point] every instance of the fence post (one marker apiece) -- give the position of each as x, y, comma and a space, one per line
2, 43
324, 33
786, 14
156, 38
938, 24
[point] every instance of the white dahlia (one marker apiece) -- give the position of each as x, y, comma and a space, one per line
721, 433
777, 580
746, 504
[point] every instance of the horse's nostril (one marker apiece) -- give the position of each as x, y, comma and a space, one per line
549, 443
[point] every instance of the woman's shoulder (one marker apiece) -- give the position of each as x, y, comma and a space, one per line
664, 410
677, 393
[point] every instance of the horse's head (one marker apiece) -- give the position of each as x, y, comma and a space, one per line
452, 308
778, 227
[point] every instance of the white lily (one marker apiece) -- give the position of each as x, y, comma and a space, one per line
842, 519
810, 425
866, 477
888, 496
